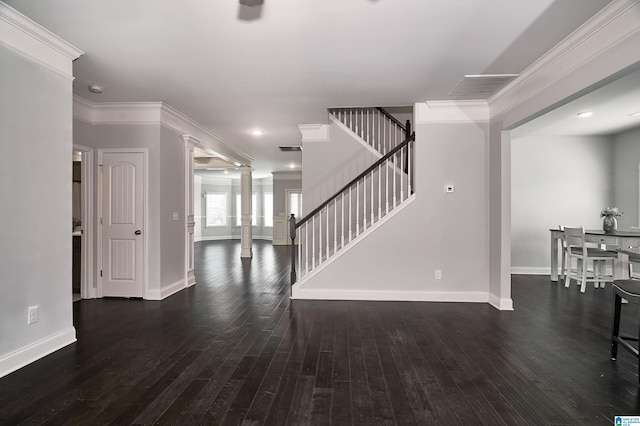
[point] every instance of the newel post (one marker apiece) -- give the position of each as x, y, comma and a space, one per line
292, 233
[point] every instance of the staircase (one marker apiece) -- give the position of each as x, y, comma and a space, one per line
365, 202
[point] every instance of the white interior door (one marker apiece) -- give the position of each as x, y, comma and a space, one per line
123, 223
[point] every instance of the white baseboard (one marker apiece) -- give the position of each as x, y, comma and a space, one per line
501, 304
33, 352
166, 291
298, 292
232, 237
519, 270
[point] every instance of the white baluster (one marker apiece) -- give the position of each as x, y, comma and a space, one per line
313, 242
327, 232
306, 247
372, 198
402, 174
364, 201
320, 237
350, 230
335, 226
409, 170
342, 220
386, 185
300, 250
395, 172
357, 208
379, 191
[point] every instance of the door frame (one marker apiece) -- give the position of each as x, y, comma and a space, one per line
288, 193
145, 215
87, 286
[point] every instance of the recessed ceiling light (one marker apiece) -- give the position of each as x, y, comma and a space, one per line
226, 172
585, 114
256, 132
94, 88
237, 164
635, 114
292, 166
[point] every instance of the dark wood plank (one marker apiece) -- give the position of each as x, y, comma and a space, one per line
234, 349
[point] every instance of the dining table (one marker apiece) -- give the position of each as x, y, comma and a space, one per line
619, 240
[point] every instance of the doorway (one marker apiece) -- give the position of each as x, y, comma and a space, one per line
83, 225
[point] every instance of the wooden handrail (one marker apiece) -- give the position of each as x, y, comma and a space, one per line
357, 178
392, 118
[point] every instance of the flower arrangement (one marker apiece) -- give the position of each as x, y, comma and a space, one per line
611, 212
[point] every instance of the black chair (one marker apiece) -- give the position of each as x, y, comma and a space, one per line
629, 290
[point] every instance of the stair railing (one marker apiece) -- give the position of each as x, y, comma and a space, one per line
374, 125
356, 207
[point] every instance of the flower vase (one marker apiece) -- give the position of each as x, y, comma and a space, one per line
609, 224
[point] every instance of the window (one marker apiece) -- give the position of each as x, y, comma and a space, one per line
216, 209
254, 210
295, 203
268, 209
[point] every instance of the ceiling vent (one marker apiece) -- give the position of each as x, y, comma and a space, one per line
290, 148
480, 86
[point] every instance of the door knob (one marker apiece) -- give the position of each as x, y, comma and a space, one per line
138, 232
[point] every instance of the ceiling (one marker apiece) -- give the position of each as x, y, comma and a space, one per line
615, 108
236, 68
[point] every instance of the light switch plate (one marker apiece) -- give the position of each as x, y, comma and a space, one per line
176, 216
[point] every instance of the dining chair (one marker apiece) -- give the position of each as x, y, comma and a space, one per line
625, 290
577, 249
563, 255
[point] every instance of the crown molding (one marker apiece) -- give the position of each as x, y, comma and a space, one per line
452, 111
31, 40
286, 175
314, 132
156, 113
617, 22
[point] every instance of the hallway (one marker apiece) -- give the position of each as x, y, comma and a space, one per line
234, 350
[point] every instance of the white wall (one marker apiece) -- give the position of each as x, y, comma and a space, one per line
555, 181
328, 166
626, 156
440, 231
35, 217
172, 199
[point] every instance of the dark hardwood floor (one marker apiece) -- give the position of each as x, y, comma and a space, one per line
234, 350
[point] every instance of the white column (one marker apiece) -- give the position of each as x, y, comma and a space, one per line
246, 232
190, 223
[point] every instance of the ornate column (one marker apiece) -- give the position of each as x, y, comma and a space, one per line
246, 232
189, 216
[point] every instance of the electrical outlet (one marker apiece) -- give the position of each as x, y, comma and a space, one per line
438, 274
176, 216
33, 315
449, 189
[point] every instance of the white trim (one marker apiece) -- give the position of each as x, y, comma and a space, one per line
87, 286
314, 132
529, 270
452, 111
353, 243
232, 237
615, 23
286, 175
166, 291
31, 40
501, 304
156, 113
389, 295
27, 354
